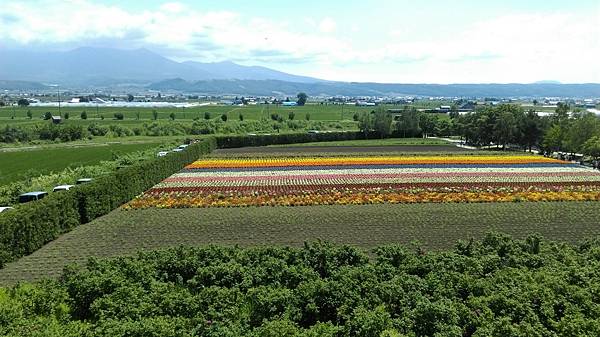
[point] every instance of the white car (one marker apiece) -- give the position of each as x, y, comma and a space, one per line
162, 153
5, 209
183, 146
83, 181
177, 150
62, 188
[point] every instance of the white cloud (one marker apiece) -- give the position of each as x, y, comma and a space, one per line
327, 25
511, 48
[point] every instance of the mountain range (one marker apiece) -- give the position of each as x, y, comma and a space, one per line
87, 67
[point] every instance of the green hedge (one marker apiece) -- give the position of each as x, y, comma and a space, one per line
31, 225
284, 138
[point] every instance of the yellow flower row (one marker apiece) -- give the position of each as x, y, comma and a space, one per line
389, 160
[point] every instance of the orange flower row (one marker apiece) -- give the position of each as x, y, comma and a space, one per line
356, 198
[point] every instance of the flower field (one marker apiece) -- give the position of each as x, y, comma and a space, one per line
348, 180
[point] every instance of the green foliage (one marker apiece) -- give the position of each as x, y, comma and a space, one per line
207, 115
172, 116
592, 147
382, 122
154, 115
224, 117
23, 102
496, 287
29, 114
47, 115
302, 97
119, 116
83, 115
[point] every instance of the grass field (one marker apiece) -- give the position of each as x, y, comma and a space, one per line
436, 226
316, 112
15, 165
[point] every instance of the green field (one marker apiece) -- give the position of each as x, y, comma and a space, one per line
25, 163
250, 112
436, 226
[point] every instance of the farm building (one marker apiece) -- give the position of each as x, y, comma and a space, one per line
56, 119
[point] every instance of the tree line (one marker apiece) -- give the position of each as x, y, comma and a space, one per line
505, 125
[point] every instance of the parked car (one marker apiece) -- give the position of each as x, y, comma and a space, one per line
62, 188
32, 196
177, 150
5, 209
83, 181
183, 146
162, 153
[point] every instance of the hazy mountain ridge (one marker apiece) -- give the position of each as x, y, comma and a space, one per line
84, 66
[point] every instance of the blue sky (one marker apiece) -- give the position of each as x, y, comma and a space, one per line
382, 41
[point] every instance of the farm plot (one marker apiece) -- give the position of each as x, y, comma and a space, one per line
351, 180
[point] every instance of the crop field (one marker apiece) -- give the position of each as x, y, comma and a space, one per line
434, 225
23, 163
250, 112
359, 179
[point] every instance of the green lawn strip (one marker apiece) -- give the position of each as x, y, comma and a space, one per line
16, 165
435, 226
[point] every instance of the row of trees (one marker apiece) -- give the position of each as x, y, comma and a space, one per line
407, 123
493, 287
505, 125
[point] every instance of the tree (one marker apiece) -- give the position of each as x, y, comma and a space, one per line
130, 98
154, 114
207, 115
66, 115
29, 115
307, 116
119, 116
408, 123
592, 147
582, 128
137, 115
302, 97
224, 117
291, 115
428, 124
382, 122
47, 115
552, 139
535, 102
172, 116
531, 130
365, 124
241, 117
83, 115
23, 102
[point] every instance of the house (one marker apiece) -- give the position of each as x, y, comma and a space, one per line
56, 119
445, 108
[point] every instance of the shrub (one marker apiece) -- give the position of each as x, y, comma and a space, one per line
119, 116
83, 115
224, 117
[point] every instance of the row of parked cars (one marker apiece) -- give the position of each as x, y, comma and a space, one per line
177, 149
37, 195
